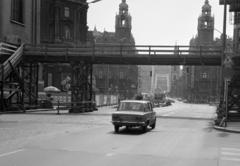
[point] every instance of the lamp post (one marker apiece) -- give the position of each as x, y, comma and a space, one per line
222, 59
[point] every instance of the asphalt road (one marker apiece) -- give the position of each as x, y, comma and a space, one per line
184, 136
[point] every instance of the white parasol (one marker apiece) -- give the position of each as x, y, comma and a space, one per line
51, 89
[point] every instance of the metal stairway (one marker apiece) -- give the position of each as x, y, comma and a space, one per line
13, 86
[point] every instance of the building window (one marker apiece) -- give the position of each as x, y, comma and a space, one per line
50, 30
109, 74
123, 23
174, 77
49, 79
121, 74
51, 11
100, 75
67, 32
204, 75
175, 68
17, 11
66, 12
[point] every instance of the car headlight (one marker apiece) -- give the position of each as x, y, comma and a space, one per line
115, 117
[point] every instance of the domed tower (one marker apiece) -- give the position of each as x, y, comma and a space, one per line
123, 24
205, 25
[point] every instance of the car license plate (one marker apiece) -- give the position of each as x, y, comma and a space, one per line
126, 117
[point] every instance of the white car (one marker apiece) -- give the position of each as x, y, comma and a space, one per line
134, 113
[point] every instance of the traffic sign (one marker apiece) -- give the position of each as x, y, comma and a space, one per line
63, 82
234, 7
228, 2
228, 61
228, 49
227, 72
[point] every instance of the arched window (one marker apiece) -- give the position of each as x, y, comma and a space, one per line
204, 75
66, 12
206, 24
67, 32
123, 22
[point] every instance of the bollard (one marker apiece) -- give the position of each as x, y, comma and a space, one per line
58, 108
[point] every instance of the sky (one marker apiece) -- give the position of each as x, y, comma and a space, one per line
158, 22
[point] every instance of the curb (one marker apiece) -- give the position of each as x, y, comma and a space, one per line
177, 117
226, 129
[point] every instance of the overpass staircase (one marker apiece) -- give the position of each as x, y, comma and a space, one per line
16, 91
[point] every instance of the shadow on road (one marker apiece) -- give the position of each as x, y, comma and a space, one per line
131, 131
223, 134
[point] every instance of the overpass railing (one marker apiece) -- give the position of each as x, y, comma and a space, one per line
124, 49
123, 53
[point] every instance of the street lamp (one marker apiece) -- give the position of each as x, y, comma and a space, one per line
75, 15
223, 57
207, 26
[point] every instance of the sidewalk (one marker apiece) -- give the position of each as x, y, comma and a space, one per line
233, 127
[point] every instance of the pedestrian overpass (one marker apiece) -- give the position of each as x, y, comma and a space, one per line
19, 65
125, 54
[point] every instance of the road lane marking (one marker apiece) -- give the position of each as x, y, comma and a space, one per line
11, 152
196, 116
232, 159
109, 154
231, 149
230, 153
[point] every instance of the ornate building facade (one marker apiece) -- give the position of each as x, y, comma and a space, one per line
62, 22
20, 21
121, 79
202, 83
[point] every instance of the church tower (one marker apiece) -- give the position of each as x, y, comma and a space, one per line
205, 25
123, 24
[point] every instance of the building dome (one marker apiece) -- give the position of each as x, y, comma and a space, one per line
206, 6
123, 5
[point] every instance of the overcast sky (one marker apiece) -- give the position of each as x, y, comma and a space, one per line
158, 22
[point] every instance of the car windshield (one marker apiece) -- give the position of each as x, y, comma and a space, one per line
131, 106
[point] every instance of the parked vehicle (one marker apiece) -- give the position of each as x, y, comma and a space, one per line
159, 98
166, 103
134, 113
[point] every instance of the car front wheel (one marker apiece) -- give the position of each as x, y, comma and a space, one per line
116, 128
153, 125
144, 129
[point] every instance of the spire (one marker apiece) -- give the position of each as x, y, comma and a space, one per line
95, 29
206, 7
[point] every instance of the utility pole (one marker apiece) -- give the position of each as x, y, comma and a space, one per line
222, 58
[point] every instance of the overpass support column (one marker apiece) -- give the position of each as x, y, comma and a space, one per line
81, 87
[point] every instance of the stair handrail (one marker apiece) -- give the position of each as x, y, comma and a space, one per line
7, 48
14, 59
